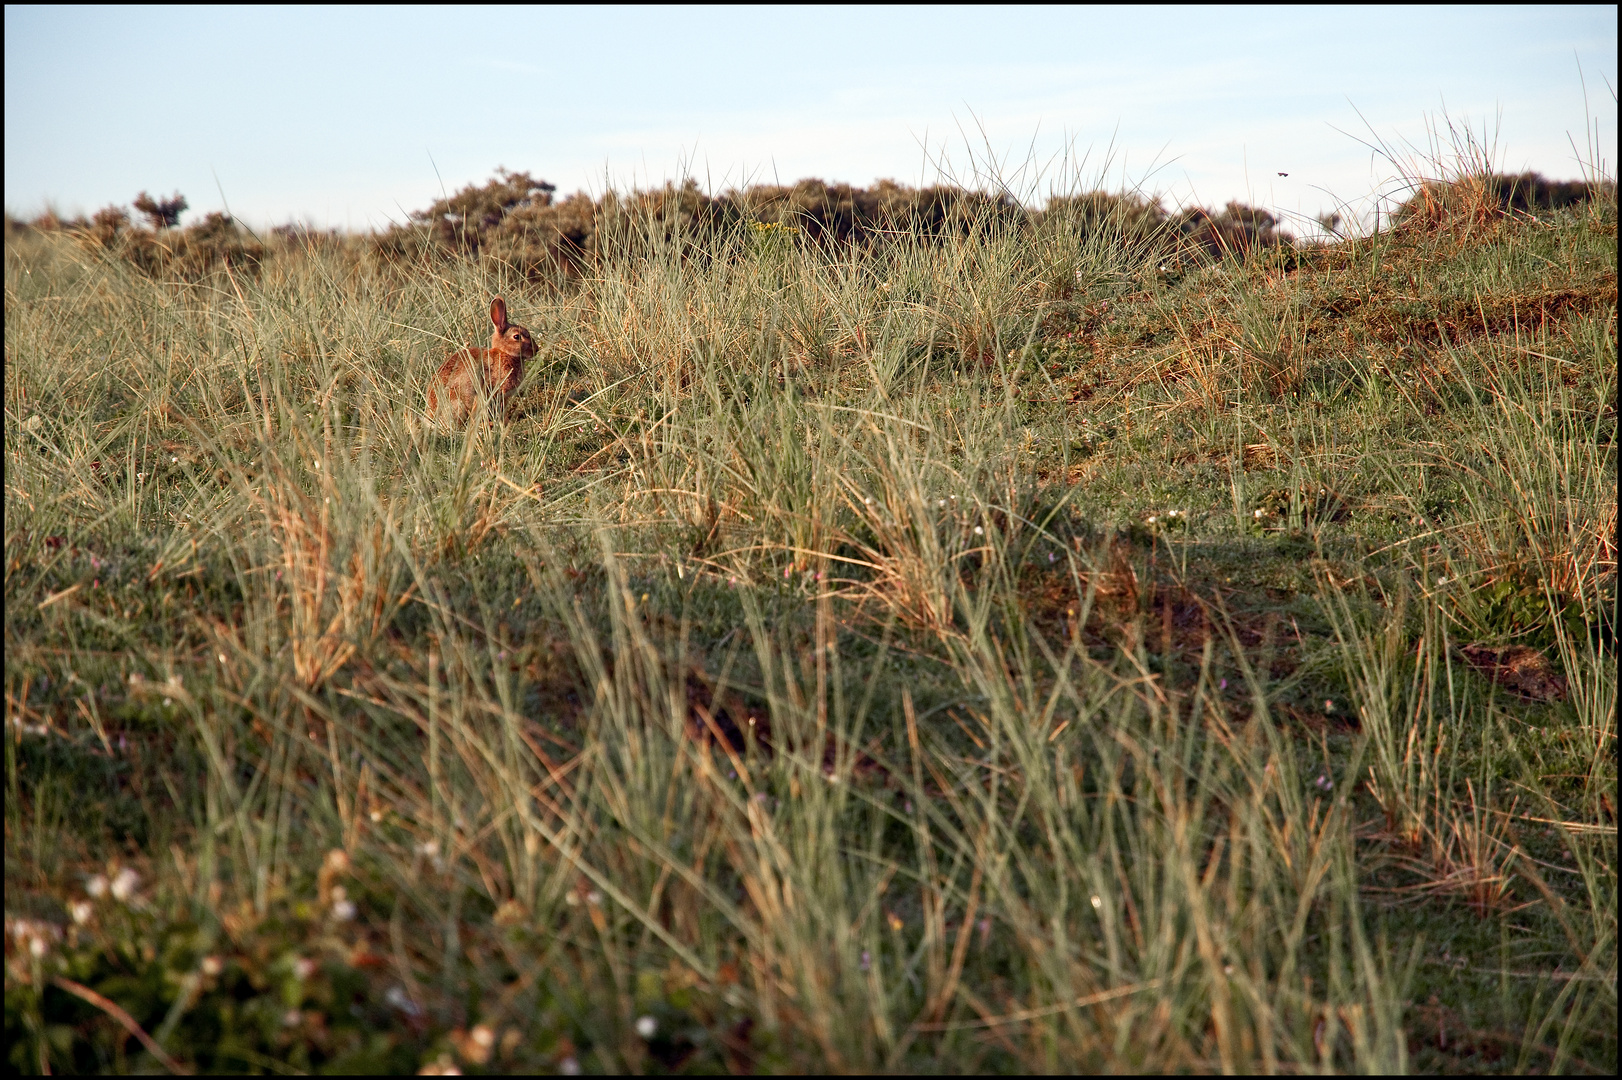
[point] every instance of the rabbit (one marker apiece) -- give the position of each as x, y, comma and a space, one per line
468, 377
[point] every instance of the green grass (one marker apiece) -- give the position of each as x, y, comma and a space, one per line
1003, 653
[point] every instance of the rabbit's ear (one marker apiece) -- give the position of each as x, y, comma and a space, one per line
498, 314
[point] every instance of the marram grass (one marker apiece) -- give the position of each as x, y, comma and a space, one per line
991, 652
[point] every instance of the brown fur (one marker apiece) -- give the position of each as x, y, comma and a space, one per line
470, 376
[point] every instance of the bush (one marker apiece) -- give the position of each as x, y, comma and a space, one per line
191, 253
1237, 230
1139, 224
162, 213
1474, 200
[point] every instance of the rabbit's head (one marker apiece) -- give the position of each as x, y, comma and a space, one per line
509, 339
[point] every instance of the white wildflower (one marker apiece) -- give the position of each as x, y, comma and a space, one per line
123, 887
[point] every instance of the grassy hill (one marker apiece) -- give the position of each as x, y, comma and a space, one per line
1081, 640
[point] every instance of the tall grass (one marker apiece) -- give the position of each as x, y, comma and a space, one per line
808, 675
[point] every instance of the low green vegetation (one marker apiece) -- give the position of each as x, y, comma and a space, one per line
976, 640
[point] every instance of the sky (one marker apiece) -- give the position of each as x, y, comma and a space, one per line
351, 118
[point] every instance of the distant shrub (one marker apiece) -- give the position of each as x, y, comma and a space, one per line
513, 217
1144, 226
1238, 230
510, 217
163, 248
1137, 223
108, 223
298, 238
192, 252
162, 213
680, 218
840, 214
189, 253
1474, 200
50, 221
467, 218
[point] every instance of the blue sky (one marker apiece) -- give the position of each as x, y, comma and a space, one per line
352, 117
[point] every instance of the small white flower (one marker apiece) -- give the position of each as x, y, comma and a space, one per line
569, 1066
483, 1036
124, 884
1259, 514
594, 898
646, 1026
343, 910
398, 998
1097, 902
96, 886
978, 531
303, 968
292, 1018
81, 910
213, 965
